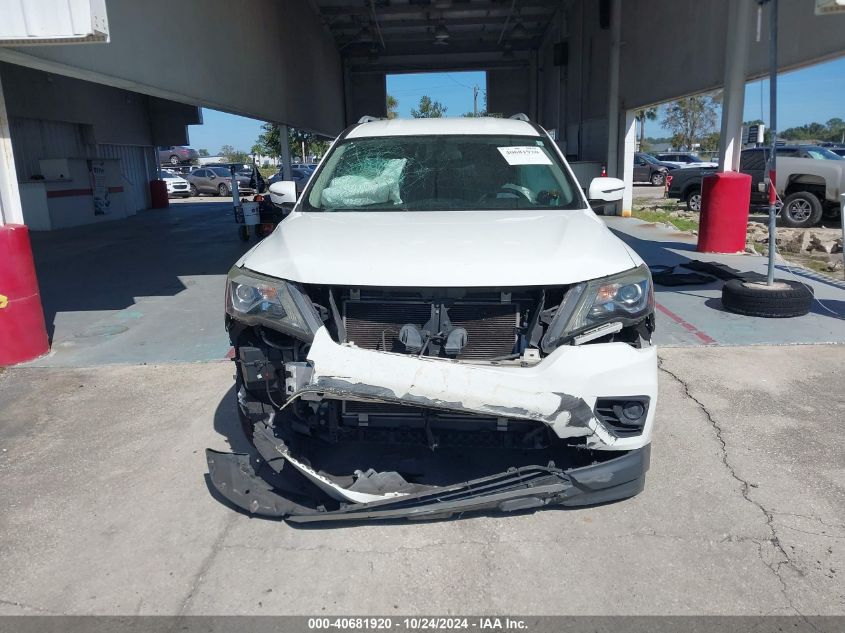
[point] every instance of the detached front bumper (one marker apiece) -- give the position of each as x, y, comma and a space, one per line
234, 476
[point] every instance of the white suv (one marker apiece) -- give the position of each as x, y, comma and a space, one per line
441, 325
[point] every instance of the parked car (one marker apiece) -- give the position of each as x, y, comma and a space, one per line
299, 175
176, 185
808, 187
649, 169
441, 324
218, 181
176, 155
685, 159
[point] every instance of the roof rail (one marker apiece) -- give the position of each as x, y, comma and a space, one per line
519, 116
367, 119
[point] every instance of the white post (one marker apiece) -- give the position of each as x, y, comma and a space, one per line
733, 101
613, 89
285, 152
11, 211
628, 150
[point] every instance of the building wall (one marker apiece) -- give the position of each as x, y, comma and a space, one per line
267, 59
57, 117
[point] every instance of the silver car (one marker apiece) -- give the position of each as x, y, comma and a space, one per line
217, 181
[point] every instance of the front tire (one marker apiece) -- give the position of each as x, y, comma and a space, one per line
801, 210
658, 178
693, 200
223, 190
194, 192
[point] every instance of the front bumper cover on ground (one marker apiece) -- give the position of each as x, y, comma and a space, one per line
234, 476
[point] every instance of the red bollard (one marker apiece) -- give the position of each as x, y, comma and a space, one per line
23, 334
724, 213
158, 194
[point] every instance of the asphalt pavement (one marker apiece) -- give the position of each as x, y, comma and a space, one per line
106, 509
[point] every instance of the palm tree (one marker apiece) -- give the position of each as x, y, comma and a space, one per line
646, 113
392, 106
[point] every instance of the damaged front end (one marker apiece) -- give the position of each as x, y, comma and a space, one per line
368, 403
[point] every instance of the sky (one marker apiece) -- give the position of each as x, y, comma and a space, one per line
816, 93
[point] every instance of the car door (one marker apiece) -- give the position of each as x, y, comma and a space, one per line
203, 181
641, 169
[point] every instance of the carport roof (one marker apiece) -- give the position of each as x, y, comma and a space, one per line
435, 27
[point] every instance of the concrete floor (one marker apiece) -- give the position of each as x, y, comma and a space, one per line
106, 508
149, 289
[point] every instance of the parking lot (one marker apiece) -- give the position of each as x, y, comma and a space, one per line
109, 510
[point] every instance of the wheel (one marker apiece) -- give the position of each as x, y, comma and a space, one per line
223, 190
658, 178
174, 160
243, 233
801, 210
693, 200
194, 191
781, 300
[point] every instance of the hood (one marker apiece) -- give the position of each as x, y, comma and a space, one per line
441, 248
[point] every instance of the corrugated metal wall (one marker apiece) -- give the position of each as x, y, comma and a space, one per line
33, 139
133, 170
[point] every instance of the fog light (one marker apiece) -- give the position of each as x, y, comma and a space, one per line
633, 410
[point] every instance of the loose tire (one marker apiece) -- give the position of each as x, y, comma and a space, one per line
223, 190
782, 300
693, 200
658, 178
194, 191
174, 160
801, 210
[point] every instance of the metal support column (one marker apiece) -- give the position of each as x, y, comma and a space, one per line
11, 211
285, 152
733, 101
629, 147
613, 89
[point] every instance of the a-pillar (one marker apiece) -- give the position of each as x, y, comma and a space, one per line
733, 101
23, 334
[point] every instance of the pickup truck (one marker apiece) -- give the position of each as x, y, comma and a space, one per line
810, 180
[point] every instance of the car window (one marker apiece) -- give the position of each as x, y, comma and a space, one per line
822, 153
201, 173
451, 173
787, 151
694, 158
220, 171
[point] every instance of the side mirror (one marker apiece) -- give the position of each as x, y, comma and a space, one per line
283, 191
212, 177
606, 189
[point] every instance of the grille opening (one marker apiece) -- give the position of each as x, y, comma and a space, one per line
491, 327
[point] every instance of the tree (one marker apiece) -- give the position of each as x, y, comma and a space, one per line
392, 107
710, 142
202, 152
428, 109
268, 141
690, 119
646, 114
233, 155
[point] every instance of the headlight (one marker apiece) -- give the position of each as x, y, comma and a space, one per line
258, 300
626, 297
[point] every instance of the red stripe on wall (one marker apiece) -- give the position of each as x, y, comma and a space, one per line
72, 193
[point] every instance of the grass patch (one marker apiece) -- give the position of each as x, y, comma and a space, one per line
660, 215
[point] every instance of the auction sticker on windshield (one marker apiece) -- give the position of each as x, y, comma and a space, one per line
525, 155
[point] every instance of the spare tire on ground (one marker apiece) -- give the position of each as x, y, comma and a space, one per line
780, 300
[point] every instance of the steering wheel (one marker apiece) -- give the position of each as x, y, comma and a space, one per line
511, 193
